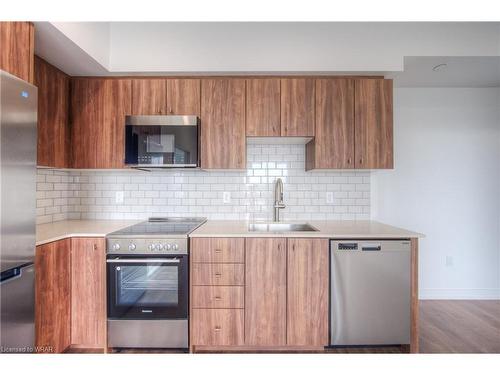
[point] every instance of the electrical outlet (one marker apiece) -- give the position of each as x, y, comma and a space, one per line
226, 197
119, 197
449, 261
329, 197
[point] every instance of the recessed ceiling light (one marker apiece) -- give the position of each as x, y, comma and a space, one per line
439, 67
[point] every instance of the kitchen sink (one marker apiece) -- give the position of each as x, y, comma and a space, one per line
281, 227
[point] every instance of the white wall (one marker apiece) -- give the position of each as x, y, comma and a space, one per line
446, 184
291, 47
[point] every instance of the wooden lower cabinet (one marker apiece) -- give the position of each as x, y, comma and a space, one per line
307, 292
217, 327
53, 296
218, 250
218, 297
277, 299
265, 292
218, 274
70, 304
88, 292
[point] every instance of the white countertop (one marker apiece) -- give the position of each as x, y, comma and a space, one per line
325, 229
59, 230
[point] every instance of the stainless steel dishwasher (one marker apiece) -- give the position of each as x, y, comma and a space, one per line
369, 292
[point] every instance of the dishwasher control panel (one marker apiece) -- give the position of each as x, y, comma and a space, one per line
347, 246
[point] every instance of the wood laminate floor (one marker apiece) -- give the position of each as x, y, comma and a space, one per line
453, 326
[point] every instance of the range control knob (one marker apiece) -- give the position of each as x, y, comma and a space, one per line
175, 247
151, 247
116, 246
132, 247
159, 247
168, 246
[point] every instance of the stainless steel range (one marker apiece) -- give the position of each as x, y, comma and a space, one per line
148, 286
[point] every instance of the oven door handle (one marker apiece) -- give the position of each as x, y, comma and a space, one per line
152, 260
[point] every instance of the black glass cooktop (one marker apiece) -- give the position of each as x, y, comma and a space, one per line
161, 227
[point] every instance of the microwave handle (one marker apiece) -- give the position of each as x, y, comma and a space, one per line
153, 260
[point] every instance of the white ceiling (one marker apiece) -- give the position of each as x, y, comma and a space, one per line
460, 71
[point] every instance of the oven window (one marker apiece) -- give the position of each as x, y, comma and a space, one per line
147, 285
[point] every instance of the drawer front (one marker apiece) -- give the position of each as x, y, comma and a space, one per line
217, 327
218, 297
218, 274
218, 250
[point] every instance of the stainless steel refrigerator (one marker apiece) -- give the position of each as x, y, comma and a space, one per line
18, 143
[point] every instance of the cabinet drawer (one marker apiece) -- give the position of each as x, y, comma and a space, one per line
218, 274
222, 297
217, 327
218, 250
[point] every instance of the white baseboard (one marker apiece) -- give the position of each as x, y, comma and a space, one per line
493, 294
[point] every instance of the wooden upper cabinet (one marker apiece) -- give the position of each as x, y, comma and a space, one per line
53, 122
52, 295
98, 110
297, 107
111, 134
373, 120
183, 97
307, 291
223, 144
265, 291
149, 97
263, 107
85, 115
17, 49
166, 97
333, 146
88, 293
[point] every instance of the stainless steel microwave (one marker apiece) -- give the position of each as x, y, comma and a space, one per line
162, 141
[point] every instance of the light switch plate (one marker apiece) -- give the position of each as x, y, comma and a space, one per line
226, 197
119, 197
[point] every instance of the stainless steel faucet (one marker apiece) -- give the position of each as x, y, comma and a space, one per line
278, 199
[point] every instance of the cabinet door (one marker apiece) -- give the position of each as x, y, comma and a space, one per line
17, 49
218, 250
334, 135
88, 294
217, 327
53, 103
263, 108
52, 296
297, 107
116, 105
183, 96
265, 291
373, 121
223, 144
98, 110
307, 275
86, 113
149, 97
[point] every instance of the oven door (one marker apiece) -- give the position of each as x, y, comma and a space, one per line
147, 288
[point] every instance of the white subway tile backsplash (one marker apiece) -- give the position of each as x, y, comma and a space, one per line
67, 194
